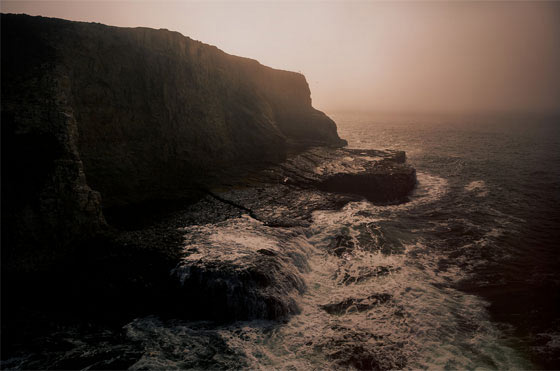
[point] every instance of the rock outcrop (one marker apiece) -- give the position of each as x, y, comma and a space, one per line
97, 118
241, 269
46, 202
252, 266
285, 194
142, 114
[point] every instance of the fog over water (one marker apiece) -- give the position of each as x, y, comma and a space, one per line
465, 275
370, 56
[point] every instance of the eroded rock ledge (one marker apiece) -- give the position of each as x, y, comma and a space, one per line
96, 117
252, 264
287, 193
239, 253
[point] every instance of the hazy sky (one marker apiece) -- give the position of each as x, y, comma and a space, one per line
369, 56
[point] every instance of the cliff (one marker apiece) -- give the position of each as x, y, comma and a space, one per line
103, 121
96, 116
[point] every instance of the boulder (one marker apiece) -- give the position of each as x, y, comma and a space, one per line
241, 269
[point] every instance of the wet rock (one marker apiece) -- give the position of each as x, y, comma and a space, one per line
77, 349
379, 176
185, 346
286, 194
341, 244
185, 121
241, 269
381, 182
267, 252
362, 350
47, 206
361, 274
356, 304
132, 115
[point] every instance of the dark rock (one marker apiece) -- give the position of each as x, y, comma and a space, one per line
143, 114
362, 350
362, 274
341, 244
379, 182
47, 206
149, 115
152, 115
240, 269
234, 270
76, 349
184, 346
267, 252
356, 304
175, 112
379, 176
285, 194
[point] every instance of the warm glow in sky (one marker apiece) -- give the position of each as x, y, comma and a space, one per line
369, 56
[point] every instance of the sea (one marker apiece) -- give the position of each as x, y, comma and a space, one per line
480, 239
466, 275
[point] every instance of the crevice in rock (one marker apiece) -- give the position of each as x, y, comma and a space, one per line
234, 204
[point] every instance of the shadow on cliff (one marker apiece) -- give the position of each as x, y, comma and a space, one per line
108, 136
131, 120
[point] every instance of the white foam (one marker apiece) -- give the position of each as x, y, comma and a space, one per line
372, 159
434, 325
478, 187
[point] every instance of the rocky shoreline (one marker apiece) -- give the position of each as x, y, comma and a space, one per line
242, 275
96, 117
209, 260
146, 173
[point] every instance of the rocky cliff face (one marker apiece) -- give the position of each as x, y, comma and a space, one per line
46, 202
140, 113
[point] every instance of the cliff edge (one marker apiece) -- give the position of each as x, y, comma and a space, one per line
96, 116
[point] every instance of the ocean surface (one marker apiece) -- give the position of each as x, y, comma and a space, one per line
481, 237
465, 275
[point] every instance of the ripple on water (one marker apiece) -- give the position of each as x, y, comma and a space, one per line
478, 188
377, 297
